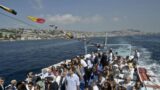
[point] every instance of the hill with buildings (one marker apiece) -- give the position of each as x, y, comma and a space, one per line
36, 34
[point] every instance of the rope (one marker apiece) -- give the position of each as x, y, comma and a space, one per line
18, 20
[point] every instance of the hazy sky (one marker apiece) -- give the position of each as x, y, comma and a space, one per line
86, 15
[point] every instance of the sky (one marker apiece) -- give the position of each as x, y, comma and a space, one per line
85, 15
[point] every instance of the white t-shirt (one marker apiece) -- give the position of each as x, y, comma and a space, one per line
28, 87
84, 64
137, 55
90, 65
72, 82
58, 78
92, 58
110, 56
95, 87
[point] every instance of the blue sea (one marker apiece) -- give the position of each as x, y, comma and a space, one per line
17, 58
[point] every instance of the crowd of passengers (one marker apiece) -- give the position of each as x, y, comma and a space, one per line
95, 71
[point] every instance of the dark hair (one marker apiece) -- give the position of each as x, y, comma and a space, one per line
38, 86
21, 86
121, 88
52, 68
111, 78
49, 79
2, 78
71, 68
136, 86
108, 86
38, 78
110, 51
30, 83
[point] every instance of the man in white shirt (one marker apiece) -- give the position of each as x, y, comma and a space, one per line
89, 63
136, 56
83, 63
72, 80
110, 58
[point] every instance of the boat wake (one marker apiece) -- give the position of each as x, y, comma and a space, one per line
146, 61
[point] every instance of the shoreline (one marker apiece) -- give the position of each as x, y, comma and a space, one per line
12, 40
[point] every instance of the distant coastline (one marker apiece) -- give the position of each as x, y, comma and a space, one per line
22, 34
